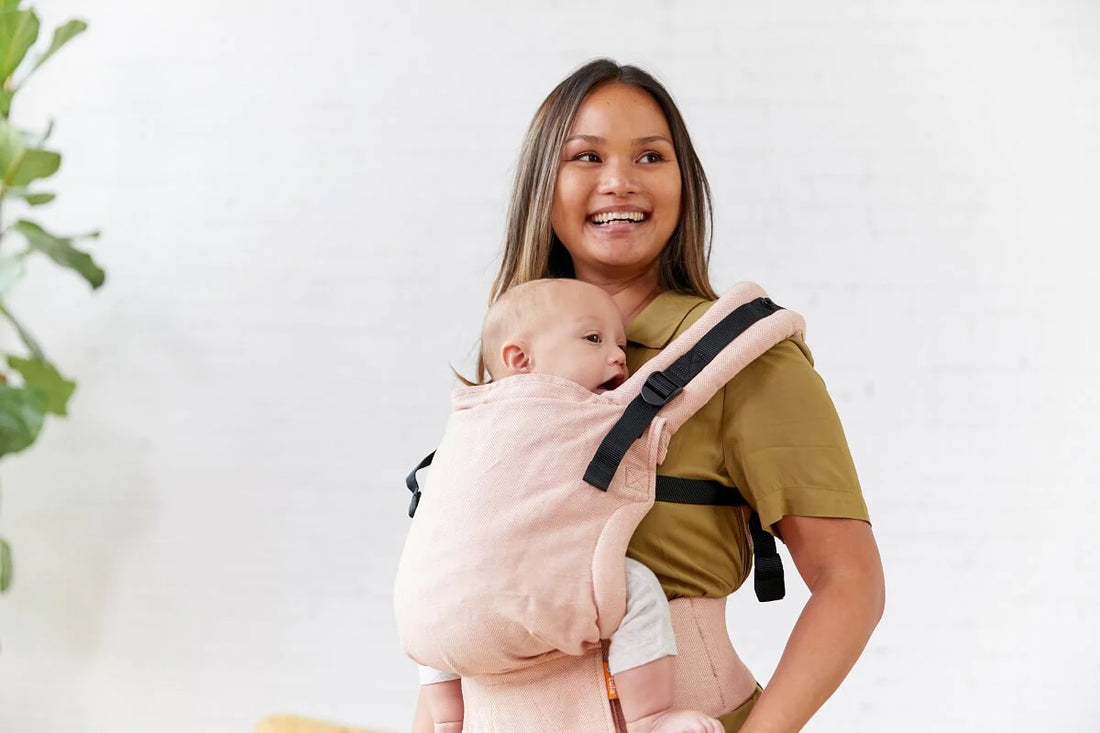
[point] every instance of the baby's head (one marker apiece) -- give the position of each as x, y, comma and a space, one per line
559, 326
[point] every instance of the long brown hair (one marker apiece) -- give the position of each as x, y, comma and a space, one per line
531, 248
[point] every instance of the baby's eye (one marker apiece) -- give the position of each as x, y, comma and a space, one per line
594, 338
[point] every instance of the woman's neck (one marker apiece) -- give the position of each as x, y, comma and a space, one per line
631, 295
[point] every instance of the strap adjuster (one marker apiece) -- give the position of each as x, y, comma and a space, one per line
659, 389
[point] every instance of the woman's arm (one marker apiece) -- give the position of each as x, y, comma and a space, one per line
839, 561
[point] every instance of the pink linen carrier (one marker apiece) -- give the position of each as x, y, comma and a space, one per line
513, 568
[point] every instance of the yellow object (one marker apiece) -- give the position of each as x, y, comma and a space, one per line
296, 724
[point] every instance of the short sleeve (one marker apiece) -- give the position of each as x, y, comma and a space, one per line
783, 444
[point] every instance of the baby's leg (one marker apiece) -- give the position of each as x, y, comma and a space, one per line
640, 658
443, 691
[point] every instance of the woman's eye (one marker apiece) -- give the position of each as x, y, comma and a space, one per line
652, 157
587, 158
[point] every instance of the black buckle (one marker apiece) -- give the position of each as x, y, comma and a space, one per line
659, 389
770, 304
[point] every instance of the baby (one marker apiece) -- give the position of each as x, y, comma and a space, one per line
571, 329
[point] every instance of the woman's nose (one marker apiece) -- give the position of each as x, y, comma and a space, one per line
617, 177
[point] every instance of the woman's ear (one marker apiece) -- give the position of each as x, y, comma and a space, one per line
515, 358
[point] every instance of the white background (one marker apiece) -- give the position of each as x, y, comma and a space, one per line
302, 207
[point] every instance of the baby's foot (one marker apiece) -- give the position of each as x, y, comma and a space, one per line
677, 721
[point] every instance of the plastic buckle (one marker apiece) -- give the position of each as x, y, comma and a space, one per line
659, 389
770, 304
414, 503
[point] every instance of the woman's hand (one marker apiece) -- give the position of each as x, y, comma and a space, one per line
840, 564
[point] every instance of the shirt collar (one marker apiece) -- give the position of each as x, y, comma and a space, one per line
659, 321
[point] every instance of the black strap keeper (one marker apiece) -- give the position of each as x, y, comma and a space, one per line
414, 485
767, 565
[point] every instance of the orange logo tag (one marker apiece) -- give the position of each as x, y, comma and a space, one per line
612, 693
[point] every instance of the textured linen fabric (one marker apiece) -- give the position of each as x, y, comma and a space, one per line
644, 636
772, 432
512, 558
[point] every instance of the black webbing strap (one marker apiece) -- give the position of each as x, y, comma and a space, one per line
414, 485
768, 566
661, 387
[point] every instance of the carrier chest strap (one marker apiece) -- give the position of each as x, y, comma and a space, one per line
660, 387
768, 566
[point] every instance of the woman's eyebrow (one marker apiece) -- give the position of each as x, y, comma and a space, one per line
636, 141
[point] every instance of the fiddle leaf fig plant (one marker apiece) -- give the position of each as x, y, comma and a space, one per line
31, 385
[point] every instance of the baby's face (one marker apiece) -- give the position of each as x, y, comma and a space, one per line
582, 339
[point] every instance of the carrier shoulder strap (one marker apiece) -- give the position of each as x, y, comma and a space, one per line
767, 565
686, 374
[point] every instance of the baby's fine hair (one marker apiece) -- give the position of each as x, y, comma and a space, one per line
515, 315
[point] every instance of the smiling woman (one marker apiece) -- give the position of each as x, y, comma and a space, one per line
617, 197
609, 191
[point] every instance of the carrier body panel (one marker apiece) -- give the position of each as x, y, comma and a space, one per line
513, 573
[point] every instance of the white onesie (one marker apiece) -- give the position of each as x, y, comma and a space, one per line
644, 636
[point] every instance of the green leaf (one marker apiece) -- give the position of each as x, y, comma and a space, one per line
37, 199
33, 198
61, 35
19, 164
22, 412
24, 334
44, 375
61, 251
12, 145
5, 565
18, 32
35, 164
11, 271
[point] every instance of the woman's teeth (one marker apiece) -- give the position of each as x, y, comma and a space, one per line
617, 216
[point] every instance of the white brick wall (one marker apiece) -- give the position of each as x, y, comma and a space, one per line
302, 204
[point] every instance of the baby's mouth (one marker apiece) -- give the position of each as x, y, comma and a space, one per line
613, 383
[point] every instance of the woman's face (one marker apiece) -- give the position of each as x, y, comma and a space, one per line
617, 197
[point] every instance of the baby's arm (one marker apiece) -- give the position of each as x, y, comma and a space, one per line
640, 658
443, 693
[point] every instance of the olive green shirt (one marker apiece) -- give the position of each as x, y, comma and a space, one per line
772, 432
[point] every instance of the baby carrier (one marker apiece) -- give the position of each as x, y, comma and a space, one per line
512, 574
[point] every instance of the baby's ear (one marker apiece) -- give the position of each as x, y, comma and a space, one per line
515, 358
